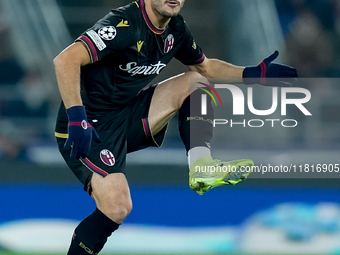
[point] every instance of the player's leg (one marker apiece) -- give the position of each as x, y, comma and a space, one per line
102, 175
112, 197
153, 108
168, 98
177, 94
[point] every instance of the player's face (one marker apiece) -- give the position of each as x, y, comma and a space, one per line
167, 8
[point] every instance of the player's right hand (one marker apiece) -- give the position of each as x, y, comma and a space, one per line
80, 133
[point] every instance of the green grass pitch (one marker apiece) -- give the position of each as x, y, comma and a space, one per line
10, 253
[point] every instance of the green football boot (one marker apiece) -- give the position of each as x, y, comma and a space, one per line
207, 173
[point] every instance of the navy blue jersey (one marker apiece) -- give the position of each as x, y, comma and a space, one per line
127, 51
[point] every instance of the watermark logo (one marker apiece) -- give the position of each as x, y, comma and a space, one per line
204, 97
239, 104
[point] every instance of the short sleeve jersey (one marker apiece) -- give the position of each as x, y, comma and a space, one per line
127, 51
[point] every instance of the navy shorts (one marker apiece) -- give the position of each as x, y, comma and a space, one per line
121, 131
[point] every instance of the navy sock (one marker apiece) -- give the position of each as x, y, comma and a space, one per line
91, 234
195, 129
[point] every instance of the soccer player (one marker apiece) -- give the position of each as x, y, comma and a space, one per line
108, 109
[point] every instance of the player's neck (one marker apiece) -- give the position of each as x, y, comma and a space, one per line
157, 20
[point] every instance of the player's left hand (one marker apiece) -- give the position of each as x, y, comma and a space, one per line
270, 74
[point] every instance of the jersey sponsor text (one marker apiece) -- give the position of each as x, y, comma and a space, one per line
133, 68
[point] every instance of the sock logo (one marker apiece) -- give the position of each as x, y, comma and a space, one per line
87, 249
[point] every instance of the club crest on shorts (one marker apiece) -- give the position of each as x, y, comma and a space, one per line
169, 43
107, 157
107, 33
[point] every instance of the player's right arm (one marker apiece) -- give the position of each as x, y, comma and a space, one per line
67, 67
100, 41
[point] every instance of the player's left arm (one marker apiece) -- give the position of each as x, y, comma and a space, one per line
266, 73
215, 68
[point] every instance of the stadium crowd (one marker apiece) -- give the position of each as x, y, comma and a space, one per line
311, 30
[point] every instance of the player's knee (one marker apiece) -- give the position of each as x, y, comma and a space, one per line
194, 75
118, 211
192, 82
193, 79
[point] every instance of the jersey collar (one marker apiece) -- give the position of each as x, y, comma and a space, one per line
148, 21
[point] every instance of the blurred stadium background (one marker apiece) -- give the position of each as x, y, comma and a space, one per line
41, 200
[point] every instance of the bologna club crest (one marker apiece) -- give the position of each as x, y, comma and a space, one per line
107, 157
169, 43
